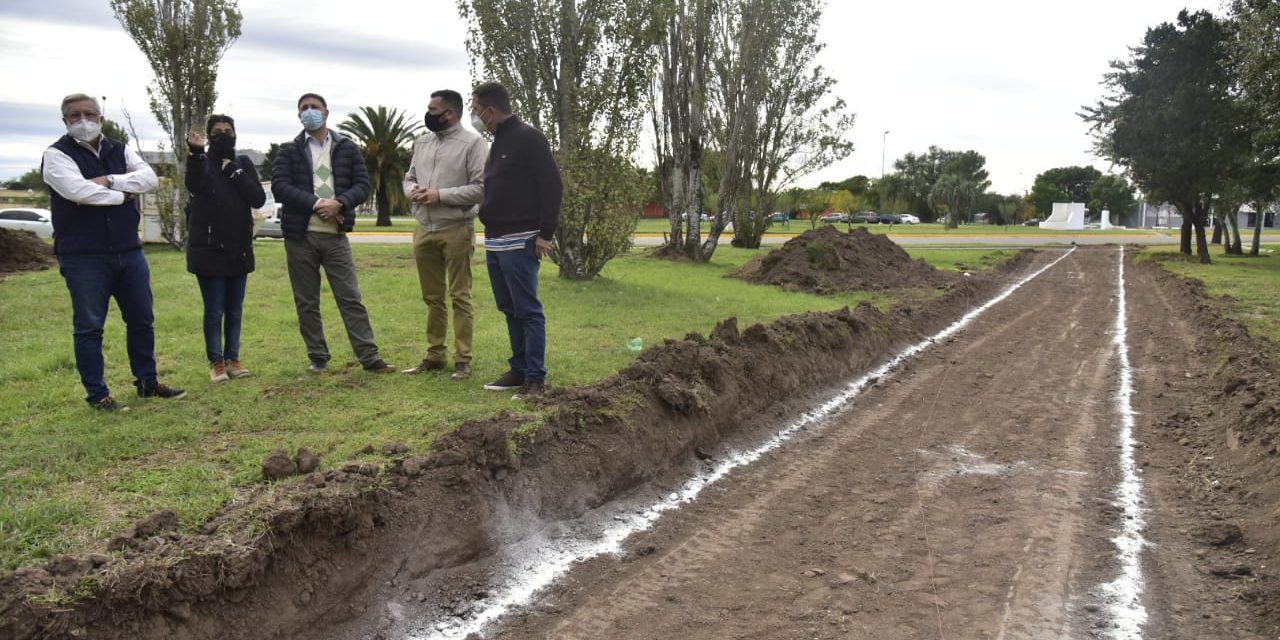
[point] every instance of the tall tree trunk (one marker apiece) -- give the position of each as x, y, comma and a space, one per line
384, 207
1217, 229
1184, 244
1233, 221
1261, 219
1202, 246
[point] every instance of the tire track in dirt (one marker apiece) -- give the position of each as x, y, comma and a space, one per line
826, 538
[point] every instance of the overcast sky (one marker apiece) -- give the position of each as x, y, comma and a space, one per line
1003, 77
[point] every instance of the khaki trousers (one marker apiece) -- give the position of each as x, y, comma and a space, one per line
444, 269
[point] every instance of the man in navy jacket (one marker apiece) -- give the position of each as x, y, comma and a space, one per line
94, 183
319, 178
520, 212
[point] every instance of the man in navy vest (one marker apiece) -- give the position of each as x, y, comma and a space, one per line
94, 184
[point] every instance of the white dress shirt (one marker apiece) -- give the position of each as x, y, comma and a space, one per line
63, 174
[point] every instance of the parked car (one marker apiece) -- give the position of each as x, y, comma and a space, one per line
906, 218
833, 217
865, 217
779, 217
889, 218
1034, 222
267, 217
37, 221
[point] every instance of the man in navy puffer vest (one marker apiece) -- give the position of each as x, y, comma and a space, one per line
94, 183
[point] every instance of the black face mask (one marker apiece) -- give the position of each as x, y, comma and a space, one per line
222, 145
434, 122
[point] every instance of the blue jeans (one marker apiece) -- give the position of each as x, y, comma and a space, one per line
94, 279
223, 303
514, 278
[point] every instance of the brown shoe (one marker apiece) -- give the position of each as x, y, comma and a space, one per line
218, 372
237, 370
461, 371
425, 366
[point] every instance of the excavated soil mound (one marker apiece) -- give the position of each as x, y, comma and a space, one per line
290, 558
23, 251
827, 260
1219, 427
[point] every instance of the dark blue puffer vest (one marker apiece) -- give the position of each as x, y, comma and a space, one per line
80, 228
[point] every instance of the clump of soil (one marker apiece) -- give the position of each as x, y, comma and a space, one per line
23, 251
827, 260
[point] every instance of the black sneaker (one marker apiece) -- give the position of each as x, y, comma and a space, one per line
109, 404
530, 389
509, 380
157, 390
379, 366
318, 366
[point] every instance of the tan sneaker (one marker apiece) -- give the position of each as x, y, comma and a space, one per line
218, 372
237, 370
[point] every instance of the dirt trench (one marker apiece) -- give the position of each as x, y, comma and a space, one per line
287, 560
973, 494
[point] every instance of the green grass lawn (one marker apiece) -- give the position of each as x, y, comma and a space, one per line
1252, 282
71, 477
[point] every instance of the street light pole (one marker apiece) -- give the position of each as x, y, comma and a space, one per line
883, 140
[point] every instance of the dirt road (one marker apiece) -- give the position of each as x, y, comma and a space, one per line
969, 495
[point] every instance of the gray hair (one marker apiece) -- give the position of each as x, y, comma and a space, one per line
78, 97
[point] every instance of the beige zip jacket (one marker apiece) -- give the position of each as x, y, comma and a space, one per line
453, 162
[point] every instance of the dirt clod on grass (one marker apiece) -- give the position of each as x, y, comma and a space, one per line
277, 465
827, 260
23, 251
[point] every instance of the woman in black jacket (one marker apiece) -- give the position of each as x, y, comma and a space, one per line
224, 190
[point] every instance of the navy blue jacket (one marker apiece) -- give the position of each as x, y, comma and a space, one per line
220, 216
78, 228
522, 184
293, 184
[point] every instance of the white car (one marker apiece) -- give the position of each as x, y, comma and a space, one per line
37, 221
906, 218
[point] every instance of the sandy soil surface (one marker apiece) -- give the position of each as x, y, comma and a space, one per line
968, 496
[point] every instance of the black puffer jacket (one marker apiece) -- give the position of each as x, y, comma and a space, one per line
293, 185
220, 216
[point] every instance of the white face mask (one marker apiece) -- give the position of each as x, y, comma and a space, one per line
84, 130
478, 123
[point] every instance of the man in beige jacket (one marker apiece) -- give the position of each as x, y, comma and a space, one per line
445, 181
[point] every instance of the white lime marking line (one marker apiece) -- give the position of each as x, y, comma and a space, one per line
543, 561
1123, 596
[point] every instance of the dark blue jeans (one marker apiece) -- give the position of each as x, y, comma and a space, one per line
514, 278
93, 280
223, 315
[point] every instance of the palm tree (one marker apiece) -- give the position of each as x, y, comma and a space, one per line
957, 193
386, 137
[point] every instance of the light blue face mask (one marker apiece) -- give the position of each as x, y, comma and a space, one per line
312, 119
